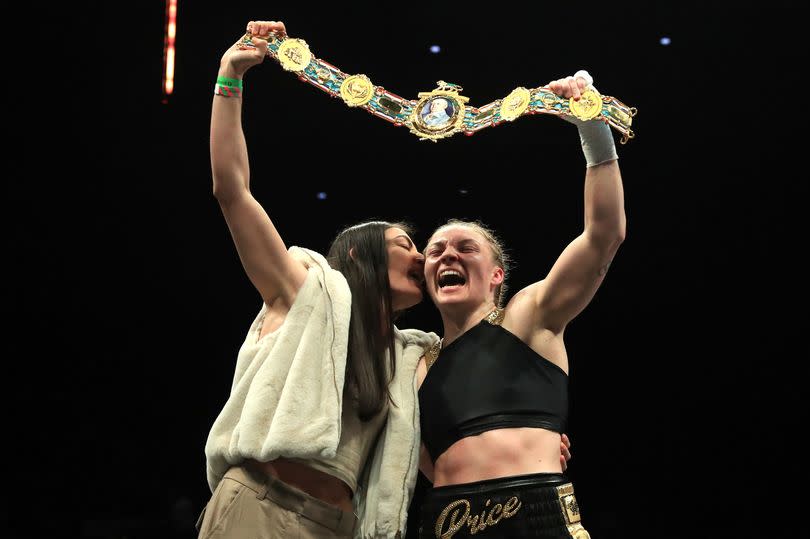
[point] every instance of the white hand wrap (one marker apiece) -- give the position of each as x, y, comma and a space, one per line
594, 135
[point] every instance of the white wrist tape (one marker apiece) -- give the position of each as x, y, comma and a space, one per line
585, 75
594, 135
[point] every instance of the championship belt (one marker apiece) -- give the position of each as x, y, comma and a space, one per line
442, 112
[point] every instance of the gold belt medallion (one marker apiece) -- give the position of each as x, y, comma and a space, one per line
515, 103
294, 55
439, 113
588, 107
357, 90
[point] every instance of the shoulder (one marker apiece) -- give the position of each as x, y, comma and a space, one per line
308, 257
522, 313
415, 337
526, 299
312, 260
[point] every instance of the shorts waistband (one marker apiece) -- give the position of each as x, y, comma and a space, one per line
479, 505
513, 481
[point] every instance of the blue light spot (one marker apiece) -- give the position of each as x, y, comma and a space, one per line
665, 41
435, 49
321, 195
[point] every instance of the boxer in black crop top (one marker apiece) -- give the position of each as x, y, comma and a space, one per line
493, 396
521, 389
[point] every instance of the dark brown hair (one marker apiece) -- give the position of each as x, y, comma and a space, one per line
360, 254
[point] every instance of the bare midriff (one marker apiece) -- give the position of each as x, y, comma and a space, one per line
498, 453
316, 483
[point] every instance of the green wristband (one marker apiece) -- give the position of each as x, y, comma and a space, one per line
231, 83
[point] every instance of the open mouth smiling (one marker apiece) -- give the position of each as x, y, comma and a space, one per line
450, 278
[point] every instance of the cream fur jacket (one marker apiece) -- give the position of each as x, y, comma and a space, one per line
287, 397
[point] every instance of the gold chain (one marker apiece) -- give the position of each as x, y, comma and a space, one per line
495, 317
433, 353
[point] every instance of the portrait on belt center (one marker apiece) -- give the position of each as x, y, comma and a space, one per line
438, 112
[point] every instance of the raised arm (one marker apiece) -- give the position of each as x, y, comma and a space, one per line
269, 266
580, 269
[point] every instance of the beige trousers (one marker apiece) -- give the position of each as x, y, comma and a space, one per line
247, 504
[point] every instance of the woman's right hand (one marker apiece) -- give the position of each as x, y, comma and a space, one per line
243, 55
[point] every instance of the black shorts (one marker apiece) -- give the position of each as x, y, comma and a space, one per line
535, 505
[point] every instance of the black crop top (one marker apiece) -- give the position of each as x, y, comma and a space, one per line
489, 379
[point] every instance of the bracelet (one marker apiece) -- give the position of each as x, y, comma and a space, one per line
442, 112
228, 87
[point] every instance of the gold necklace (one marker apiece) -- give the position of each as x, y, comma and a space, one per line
433, 353
495, 317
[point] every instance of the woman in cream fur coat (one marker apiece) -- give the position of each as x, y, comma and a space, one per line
298, 447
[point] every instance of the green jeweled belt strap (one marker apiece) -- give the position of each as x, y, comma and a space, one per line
442, 112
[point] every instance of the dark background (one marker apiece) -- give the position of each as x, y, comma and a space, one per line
129, 302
